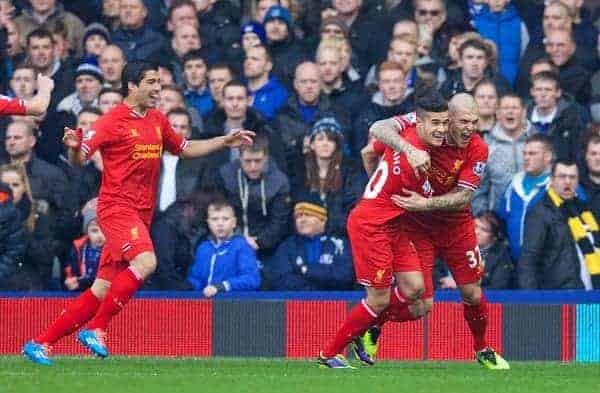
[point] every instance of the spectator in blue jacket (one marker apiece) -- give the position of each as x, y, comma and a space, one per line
525, 190
197, 93
311, 260
267, 94
225, 262
500, 22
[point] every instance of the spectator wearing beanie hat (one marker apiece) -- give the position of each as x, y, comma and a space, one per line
285, 50
310, 259
252, 34
82, 265
95, 39
88, 83
326, 173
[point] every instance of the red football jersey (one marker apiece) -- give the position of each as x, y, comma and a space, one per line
392, 175
452, 166
12, 106
131, 146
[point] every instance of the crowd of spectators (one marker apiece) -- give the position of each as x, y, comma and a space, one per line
309, 77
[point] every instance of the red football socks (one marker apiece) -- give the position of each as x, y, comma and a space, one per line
76, 314
122, 289
358, 321
477, 318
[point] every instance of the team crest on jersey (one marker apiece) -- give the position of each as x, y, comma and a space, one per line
158, 133
379, 275
479, 168
134, 132
457, 165
134, 233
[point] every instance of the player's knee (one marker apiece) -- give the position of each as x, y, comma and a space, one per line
145, 264
100, 288
378, 300
427, 306
471, 293
414, 292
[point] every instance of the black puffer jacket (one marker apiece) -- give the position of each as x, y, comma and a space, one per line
12, 239
549, 257
175, 232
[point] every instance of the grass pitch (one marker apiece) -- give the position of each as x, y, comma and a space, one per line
150, 375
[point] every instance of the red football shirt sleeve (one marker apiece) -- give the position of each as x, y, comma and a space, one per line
173, 142
12, 106
474, 167
97, 136
405, 121
378, 147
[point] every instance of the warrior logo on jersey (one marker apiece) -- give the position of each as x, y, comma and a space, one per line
479, 168
427, 189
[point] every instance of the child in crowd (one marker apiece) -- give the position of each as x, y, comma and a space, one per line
225, 262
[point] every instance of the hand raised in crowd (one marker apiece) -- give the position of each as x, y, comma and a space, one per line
72, 138
252, 242
44, 83
210, 291
71, 283
239, 138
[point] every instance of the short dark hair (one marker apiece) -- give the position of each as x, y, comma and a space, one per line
178, 4
511, 95
195, 54
429, 102
475, 43
545, 140
134, 72
106, 90
235, 83
174, 88
485, 82
221, 65
220, 203
547, 61
496, 225
563, 163
90, 109
546, 76
593, 139
40, 33
261, 144
181, 112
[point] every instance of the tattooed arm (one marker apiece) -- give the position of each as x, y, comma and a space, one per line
388, 132
455, 200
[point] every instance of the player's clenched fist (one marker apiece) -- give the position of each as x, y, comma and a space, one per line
239, 138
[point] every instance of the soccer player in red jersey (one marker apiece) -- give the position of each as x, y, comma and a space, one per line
443, 225
35, 106
131, 138
380, 247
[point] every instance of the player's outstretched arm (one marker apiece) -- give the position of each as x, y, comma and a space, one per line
195, 149
455, 200
388, 132
72, 140
38, 104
